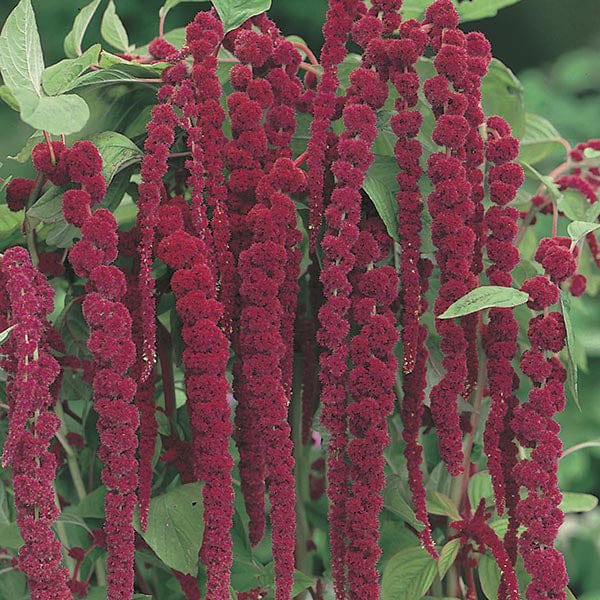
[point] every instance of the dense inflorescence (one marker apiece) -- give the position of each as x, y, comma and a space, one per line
26, 300
270, 265
113, 351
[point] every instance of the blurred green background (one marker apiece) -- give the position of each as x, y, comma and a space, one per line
554, 48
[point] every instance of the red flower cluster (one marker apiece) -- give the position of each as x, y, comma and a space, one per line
535, 428
500, 341
205, 359
113, 350
262, 270
367, 92
451, 206
25, 301
339, 21
160, 130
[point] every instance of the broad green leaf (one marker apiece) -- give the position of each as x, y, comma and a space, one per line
13, 585
590, 153
175, 527
112, 29
440, 504
117, 151
502, 94
574, 502
169, 4
21, 59
10, 536
575, 205
8, 97
547, 181
448, 556
540, 139
63, 114
579, 229
25, 153
408, 575
10, 227
395, 503
123, 72
48, 209
301, 582
383, 198
480, 486
235, 12
72, 44
486, 296
565, 306
92, 506
489, 576
4, 335
60, 77
468, 11
62, 235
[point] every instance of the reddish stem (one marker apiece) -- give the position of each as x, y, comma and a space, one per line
301, 158
164, 349
50, 148
309, 53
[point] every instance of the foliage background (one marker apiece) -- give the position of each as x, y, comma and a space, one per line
554, 48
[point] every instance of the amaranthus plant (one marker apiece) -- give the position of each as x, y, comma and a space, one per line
278, 322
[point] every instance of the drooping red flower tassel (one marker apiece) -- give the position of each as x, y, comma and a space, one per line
114, 352
25, 301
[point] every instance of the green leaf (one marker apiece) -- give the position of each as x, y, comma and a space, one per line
112, 29
468, 11
10, 536
72, 44
408, 575
21, 59
579, 229
574, 502
61, 77
575, 205
480, 486
169, 4
63, 114
48, 209
440, 504
13, 584
4, 335
540, 140
486, 296
590, 153
92, 506
175, 527
565, 306
25, 153
380, 190
448, 556
120, 72
117, 151
395, 503
570, 594
547, 181
502, 94
8, 98
489, 576
235, 12
301, 582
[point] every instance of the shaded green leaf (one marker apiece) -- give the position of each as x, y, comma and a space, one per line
448, 556
408, 575
502, 94
395, 503
13, 585
72, 44
60, 77
540, 139
10, 536
21, 59
169, 4
565, 307
579, 229
175, 527
480, 486
63, 114
235, 12
301, 582
112, 29
92, 506
380, 183
8, 98
486, 296
440, 504
575, 205
489, 576
574, 502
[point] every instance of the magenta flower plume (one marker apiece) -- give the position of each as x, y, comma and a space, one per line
113, 351
25, 302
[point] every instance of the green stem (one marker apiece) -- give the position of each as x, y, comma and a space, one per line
29, 230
